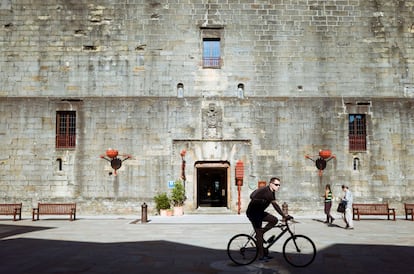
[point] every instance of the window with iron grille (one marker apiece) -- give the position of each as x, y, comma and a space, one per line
211, 53
357, 132
65, 129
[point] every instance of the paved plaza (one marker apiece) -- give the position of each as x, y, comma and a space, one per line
194, 244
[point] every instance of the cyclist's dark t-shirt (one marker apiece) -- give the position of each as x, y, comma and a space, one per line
260, 200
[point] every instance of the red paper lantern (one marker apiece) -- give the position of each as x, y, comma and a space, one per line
325, 154
112, 153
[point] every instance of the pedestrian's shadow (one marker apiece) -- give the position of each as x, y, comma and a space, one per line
327, 224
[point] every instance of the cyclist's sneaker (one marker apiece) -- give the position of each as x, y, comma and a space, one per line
271, 239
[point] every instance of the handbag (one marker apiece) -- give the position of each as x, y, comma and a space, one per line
341, 207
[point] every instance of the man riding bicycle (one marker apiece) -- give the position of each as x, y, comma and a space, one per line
260, 199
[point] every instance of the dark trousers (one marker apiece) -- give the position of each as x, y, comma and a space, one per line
260, 231
328, 206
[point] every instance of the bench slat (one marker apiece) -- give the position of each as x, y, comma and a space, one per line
11, 209
409, 208
372, 209
55, 209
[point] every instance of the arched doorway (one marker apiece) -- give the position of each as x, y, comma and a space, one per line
212, 183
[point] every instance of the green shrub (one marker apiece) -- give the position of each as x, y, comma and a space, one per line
178, 194
162, 201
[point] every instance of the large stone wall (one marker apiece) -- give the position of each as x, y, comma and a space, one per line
144, 48
305, 66
271, 136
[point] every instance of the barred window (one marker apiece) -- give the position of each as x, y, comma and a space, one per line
211, 53
65, 129
357, 132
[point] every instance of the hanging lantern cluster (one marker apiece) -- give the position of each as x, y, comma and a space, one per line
324, 156
112, 157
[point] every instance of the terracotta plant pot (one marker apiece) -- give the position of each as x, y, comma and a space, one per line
166, 212
178, 211
325, 154
112, 153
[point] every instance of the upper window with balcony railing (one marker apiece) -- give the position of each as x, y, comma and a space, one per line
211, 53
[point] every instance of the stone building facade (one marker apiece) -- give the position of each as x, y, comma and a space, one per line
264, 82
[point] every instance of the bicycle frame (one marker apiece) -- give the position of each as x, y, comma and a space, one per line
284, 229
298, 250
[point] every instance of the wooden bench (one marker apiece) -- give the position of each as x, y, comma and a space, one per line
11, 209
55, 209
409, 208
372, 209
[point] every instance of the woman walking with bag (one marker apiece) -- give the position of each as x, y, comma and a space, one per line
328, 196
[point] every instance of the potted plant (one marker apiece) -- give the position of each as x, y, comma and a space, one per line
178, 198
162, 204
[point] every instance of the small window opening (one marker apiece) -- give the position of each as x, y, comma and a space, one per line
180, 90
240, 91
356, 163
59, 161
363, 103
89, 48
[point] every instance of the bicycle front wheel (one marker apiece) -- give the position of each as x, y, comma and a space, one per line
299, 251
242, 249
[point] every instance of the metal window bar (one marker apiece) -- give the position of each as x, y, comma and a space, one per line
211, 62
357, 133
66, 129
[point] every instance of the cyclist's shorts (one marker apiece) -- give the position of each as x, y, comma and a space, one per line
256, 218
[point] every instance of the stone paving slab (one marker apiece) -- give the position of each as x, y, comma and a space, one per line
194, 244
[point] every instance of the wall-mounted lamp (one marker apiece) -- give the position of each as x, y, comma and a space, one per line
240, 91
180, 90
300, 88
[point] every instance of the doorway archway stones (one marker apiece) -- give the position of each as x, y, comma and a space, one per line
208, 152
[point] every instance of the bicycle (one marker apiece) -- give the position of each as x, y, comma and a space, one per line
298, 250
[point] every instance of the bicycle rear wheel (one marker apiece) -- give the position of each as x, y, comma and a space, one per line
299, 251
242, 249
